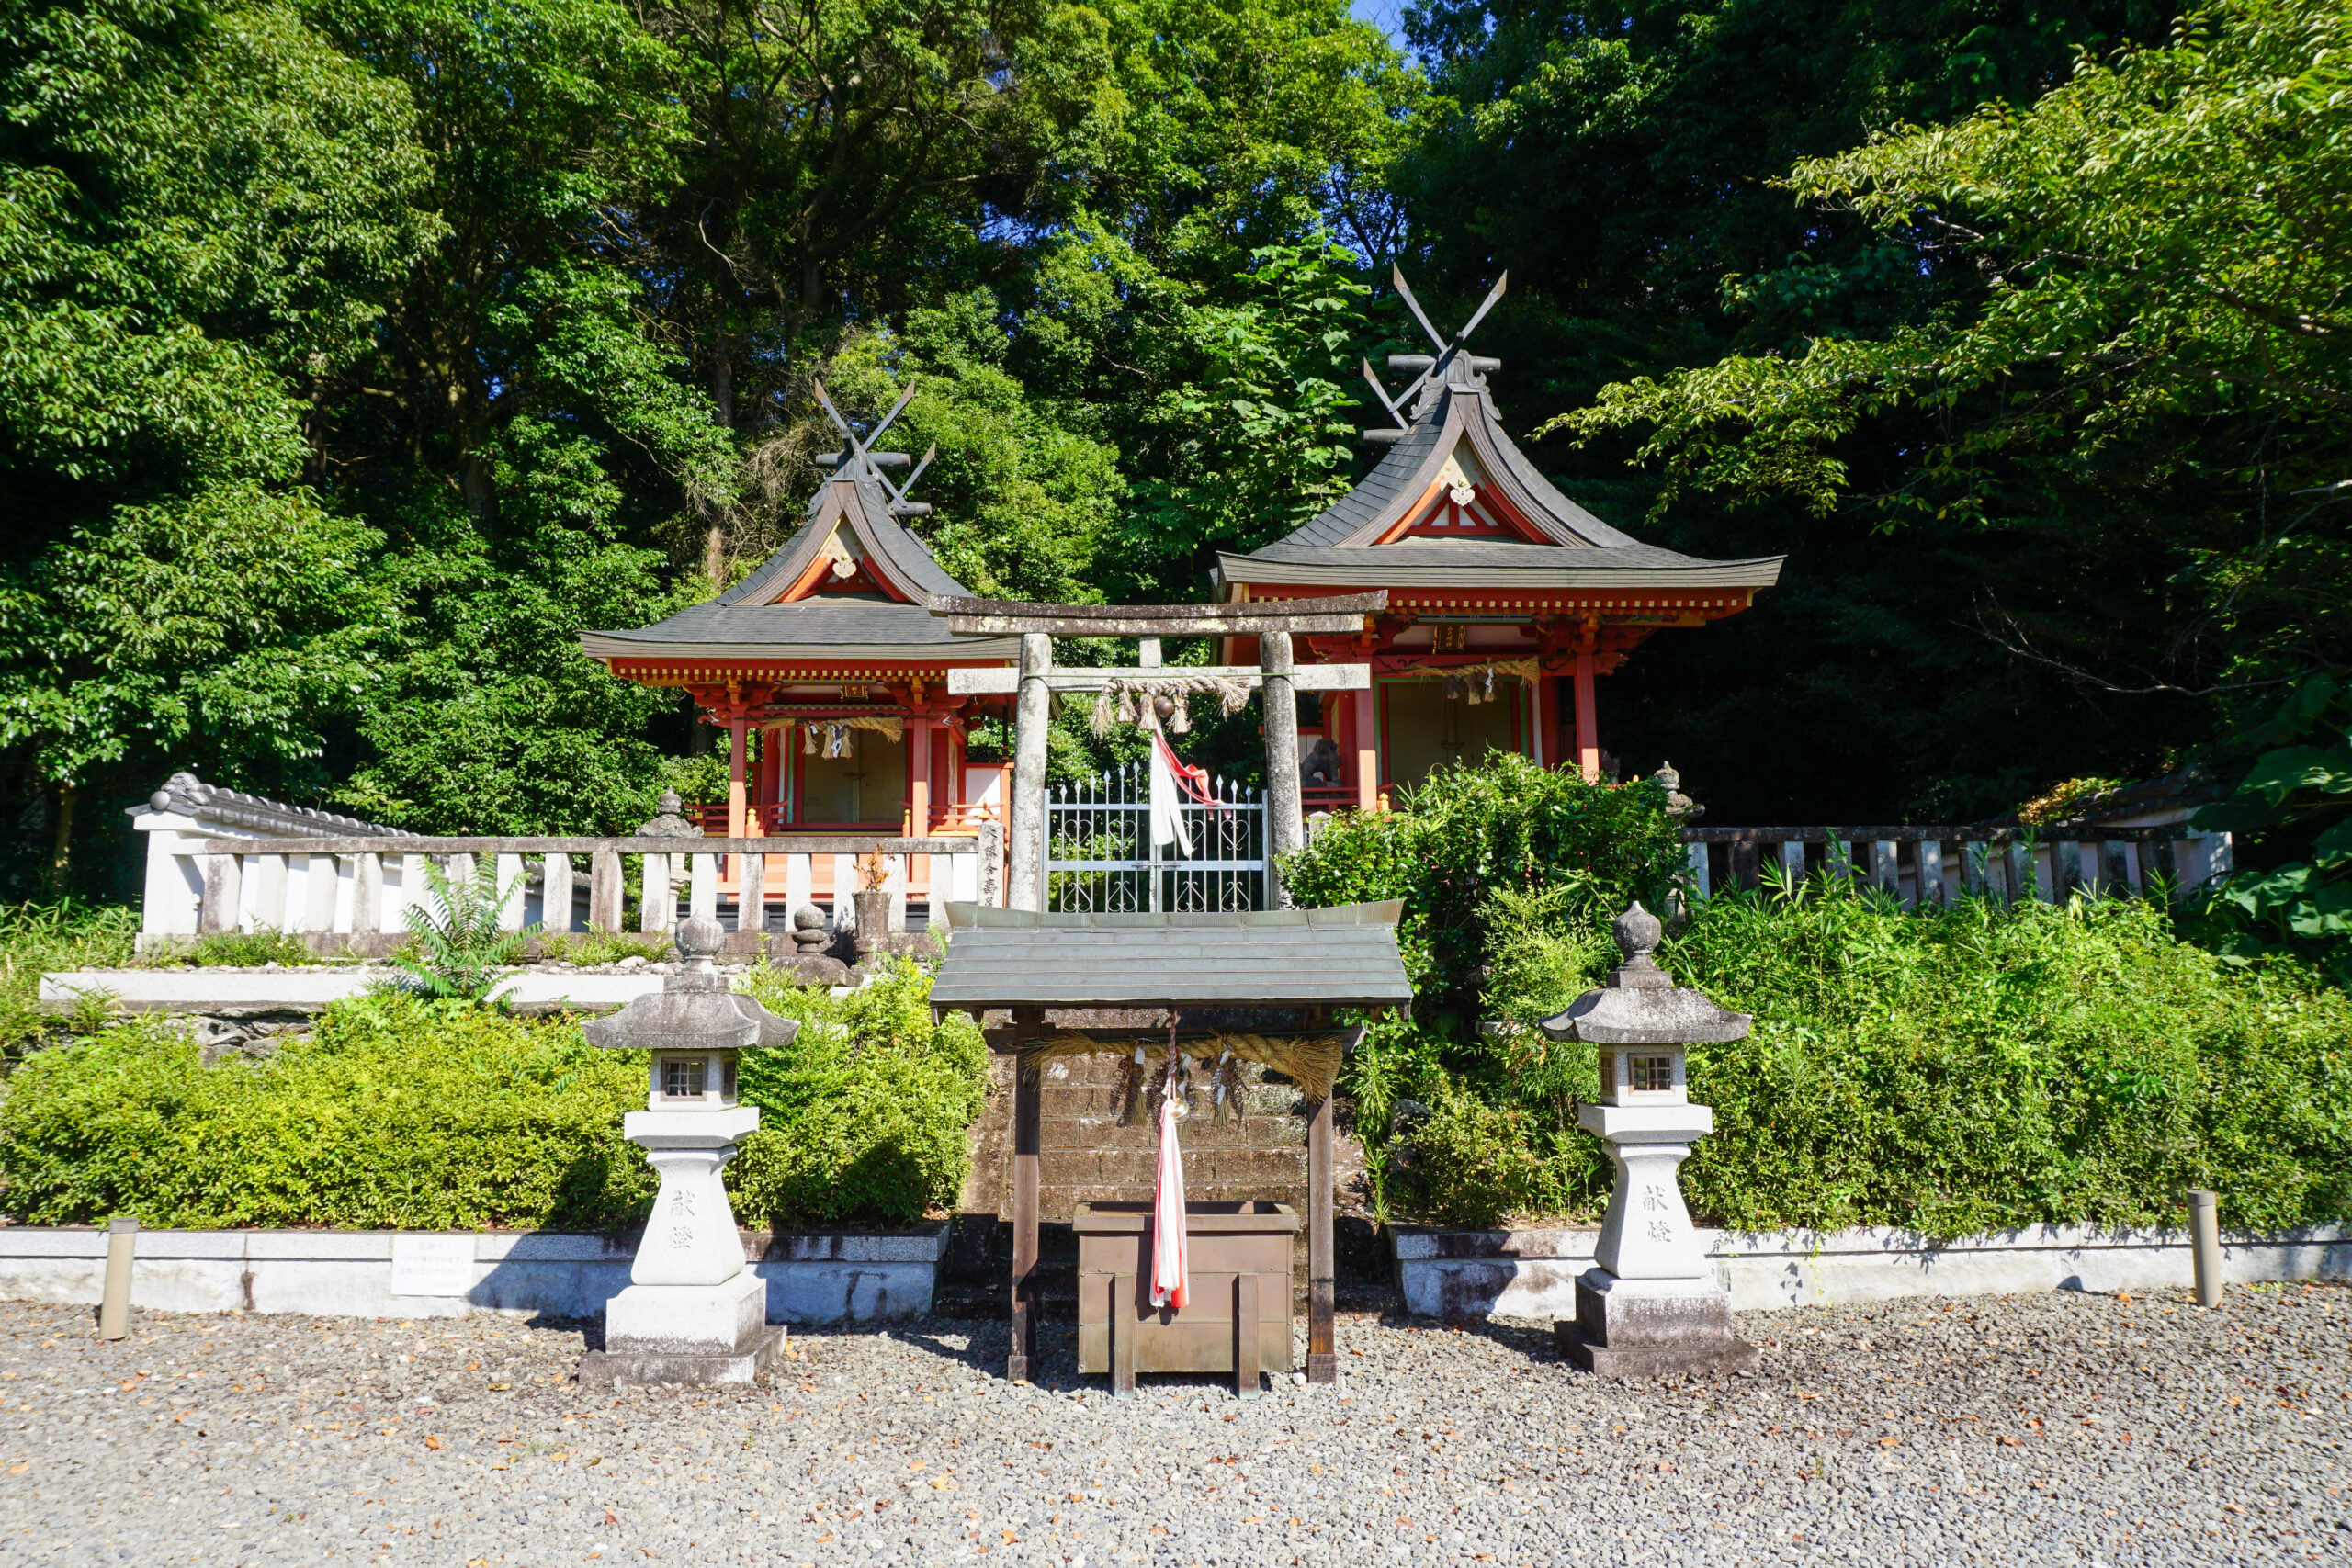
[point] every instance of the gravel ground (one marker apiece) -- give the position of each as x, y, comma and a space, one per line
2042, 1429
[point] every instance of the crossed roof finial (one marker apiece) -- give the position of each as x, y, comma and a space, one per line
1448, 367
858, 460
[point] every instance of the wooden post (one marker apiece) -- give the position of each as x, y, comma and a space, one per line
1547, 722
772, 740
1246, 1335
1588, 721
1322, 1356
918, 777
1367, 748
1022, 1358
1285, 824
736, 774
1026, 819
606, 891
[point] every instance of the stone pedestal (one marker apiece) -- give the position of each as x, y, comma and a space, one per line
1652, 1307
692, 1312
1651, 1328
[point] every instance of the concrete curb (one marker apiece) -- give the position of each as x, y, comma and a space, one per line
1533, 1273
812, 1278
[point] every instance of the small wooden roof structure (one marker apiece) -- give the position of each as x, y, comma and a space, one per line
1298, 963
1343, 957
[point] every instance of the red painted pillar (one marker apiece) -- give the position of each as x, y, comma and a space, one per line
1588, 722
918, 776
738, 731
1367, 749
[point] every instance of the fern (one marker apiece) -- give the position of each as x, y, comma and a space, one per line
458, 947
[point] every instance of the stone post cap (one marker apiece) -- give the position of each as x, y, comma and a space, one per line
1641, 1005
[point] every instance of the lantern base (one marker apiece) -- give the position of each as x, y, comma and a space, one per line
740, 1368
1652, 1328
688, 1334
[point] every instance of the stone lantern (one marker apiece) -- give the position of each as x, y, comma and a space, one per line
692, 1312
1651, 1306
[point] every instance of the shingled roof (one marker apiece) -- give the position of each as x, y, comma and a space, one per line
851, 516
1340, 957
1456, 417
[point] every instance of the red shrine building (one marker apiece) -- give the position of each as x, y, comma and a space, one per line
830, 672
1507, 599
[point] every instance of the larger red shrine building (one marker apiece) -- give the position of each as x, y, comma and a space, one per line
829, 673
1506, 598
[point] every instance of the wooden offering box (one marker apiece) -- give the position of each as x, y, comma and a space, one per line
1239, 1277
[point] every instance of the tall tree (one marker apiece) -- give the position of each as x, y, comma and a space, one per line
202, 212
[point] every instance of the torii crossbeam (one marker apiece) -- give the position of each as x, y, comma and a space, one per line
1273, 622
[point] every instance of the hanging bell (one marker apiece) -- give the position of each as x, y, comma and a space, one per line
1455, 689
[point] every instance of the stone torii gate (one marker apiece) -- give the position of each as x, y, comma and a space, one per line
1273, 622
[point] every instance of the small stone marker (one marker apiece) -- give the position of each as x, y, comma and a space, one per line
692, 1313
426, 1265
1651, 1306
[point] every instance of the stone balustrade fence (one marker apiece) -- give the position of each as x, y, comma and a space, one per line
360, 889
1935, 864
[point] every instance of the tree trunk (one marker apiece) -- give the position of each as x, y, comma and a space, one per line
60, 850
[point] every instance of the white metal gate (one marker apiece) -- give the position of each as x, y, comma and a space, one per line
1100, 858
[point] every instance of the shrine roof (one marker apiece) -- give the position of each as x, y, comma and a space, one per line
1339, 957
747, 621
833, 628
1468, 563
1454, 439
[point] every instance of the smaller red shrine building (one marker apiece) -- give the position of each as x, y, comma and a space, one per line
830, 674
1505, 598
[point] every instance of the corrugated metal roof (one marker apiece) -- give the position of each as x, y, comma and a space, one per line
1343, 957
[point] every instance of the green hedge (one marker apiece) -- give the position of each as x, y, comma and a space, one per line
399, 1113
1952, 1072
1469, 832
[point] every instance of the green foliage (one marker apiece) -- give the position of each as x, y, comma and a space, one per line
1970, 1069
1473, 833
2296, 803
865, 1112
2161, 246
249, 949
404, 1111
38, 939
396, 1112
594, 946
456, 948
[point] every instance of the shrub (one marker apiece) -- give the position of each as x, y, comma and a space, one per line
1974, 1068
867, 1109
1471, 833
411, 1112
395, 1111
35, 939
